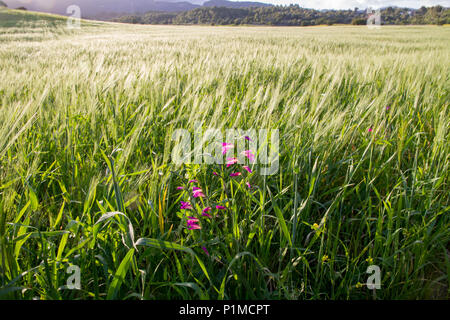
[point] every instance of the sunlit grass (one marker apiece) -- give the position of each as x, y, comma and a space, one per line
86, 118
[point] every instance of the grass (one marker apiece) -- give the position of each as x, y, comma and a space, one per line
86, 176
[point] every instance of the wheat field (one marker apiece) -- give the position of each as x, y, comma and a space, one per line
86, 177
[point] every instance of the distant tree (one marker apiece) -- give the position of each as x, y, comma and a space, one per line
422, 10
290, 15
359, 22
439, 8
21, 8
2, 4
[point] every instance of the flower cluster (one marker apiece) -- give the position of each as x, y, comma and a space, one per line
197, 192
199, 205
232, 161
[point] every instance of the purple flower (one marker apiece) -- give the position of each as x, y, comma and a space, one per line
180, 188
185, 206
197, 192
221, 208
192, 223
249, 155
192, 181
215, 173
247, 168
192, 220
247, 138
226, 147
194, 227
206, 251
248, 185
206, 214
231, 161
370, 130
235, 174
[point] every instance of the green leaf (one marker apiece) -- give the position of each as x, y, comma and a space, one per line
155, 243
119, 276
130, 232
33, 198
282, 223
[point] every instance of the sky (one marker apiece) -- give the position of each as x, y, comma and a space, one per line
362, 4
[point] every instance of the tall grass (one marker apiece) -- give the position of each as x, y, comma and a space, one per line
86, 177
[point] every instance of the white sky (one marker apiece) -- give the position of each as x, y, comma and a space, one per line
350, 4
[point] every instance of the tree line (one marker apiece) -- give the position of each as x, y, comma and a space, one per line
292, 15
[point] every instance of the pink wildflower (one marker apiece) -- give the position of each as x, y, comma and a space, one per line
185, 206
204, 212
247, 168
197, 193
249, 155
235, 174
231, 161
226, 147
194, 226
192, 223
206, 251
192, 220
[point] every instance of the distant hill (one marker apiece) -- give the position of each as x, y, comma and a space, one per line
234, 4
17, 18
91, 8
105, 8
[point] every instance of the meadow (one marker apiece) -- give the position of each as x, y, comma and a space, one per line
86, 177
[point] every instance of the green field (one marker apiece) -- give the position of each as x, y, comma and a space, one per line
86, 119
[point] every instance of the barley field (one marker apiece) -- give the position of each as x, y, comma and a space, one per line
87, 181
